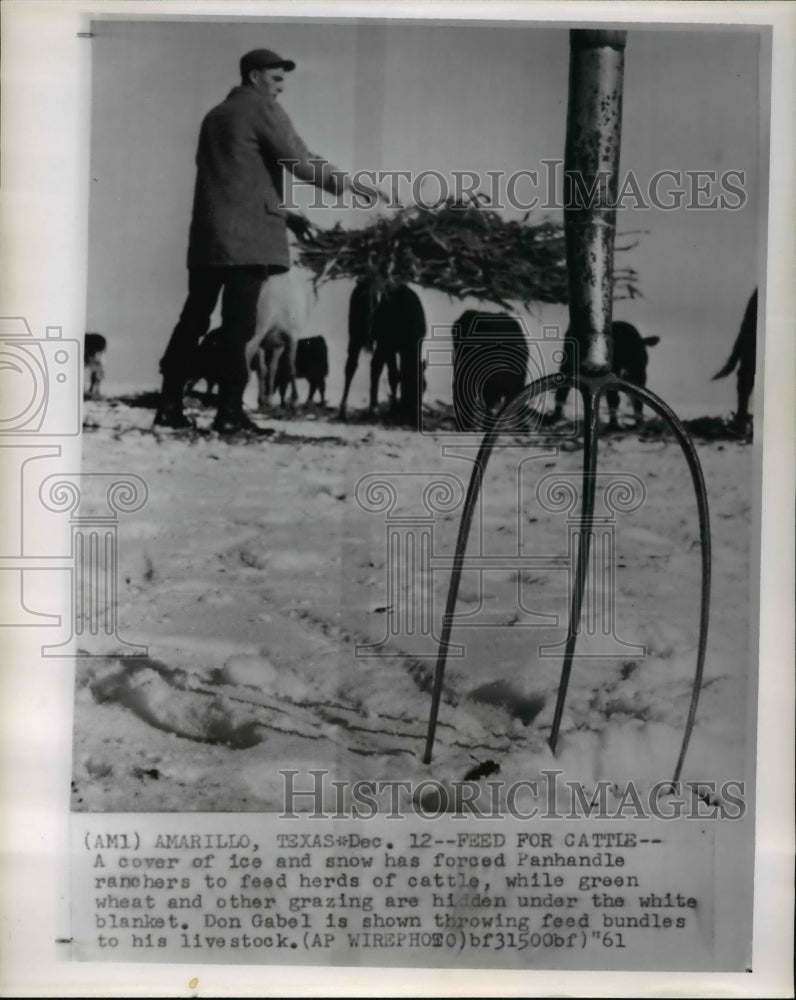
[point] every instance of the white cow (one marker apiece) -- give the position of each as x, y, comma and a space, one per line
282, 310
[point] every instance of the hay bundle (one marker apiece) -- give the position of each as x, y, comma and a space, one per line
461, 250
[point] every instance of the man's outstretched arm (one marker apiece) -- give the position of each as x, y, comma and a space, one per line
282, 143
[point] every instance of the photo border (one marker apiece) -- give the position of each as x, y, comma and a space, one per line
46, 105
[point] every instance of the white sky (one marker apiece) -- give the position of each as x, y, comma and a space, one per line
418, 97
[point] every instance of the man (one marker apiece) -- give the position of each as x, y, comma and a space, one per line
238, 233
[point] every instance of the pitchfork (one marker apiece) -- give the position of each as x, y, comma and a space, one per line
594, 124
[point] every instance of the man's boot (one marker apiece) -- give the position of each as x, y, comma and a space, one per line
170, 412
231, 416
231, 421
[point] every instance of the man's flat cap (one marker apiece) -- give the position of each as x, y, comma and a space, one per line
263, 59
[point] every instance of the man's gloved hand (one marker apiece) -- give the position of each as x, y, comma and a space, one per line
299, 225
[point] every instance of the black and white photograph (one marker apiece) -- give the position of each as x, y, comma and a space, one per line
408, 577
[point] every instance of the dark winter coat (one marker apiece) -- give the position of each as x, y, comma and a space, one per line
236, 215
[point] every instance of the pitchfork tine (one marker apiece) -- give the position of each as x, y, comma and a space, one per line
473, 491
669, 418
590, 414
592, 154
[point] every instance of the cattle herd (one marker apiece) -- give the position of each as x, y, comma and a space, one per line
490, 356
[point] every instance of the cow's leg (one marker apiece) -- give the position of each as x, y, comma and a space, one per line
284, 381
273, 364
322, 389
266, 374
560, 402
377, 363
293, 392
290, 347
351, 364
411, 377
259, 366
612, 396
638, 406
393, 378
567, 369
745, 384
315, 385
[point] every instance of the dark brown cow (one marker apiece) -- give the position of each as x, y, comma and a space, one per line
629, 362
393, 326
312, 363
490, 363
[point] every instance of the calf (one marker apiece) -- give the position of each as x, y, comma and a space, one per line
281, 316
743, 356
629, 362
205, 361
393, 327
490, 363
93, 371
312, 363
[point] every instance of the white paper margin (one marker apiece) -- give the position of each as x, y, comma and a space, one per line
45, 149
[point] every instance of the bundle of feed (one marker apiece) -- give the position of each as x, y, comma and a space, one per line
462, 250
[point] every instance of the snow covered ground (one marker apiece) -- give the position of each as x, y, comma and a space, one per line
253, 572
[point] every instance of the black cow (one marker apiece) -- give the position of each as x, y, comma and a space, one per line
93, 370
629, 362
490, 364
312, 363
399, 327
361, 307
743, 357
205, 361
393, 326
